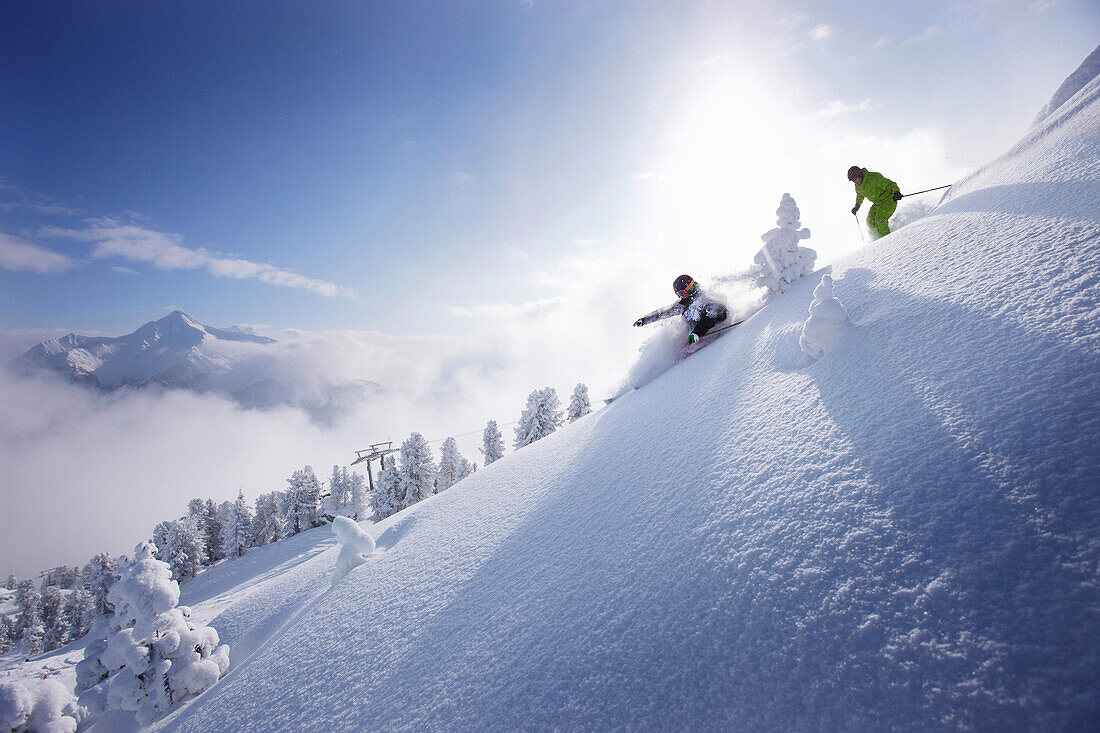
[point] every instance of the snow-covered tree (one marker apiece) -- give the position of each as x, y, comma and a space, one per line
386, 497
100, 574
542, 417
12, 582
303, 501
579, 404
28, 619
80, 610
54, 620
417, 472
238, 531
155, 656
357, 492
179, 548
268, 524
465, 468
213, 532
450, 466
492, 443
5, 635
63, 576
781, 260
338, 501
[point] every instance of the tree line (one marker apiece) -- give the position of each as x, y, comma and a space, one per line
69, 599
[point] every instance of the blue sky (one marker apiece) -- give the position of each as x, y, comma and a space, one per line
395, 166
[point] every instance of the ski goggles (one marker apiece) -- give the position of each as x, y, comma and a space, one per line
686, 291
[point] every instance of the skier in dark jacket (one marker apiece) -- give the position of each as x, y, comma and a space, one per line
700, 311
883, 193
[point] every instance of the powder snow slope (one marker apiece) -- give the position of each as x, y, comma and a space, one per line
901, 534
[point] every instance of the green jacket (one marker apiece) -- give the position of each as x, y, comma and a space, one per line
876, 187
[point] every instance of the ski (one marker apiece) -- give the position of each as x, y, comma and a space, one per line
707, 339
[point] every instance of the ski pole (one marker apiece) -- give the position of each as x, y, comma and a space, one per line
926, 190
860, 228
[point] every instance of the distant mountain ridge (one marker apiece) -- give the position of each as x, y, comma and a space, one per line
179, 352
167, 352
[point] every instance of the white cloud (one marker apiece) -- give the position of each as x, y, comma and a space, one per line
45, 209
838, 107
112, 238
124, 270
930, 32
19, 254
822, 32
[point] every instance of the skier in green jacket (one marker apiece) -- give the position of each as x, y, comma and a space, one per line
883, 193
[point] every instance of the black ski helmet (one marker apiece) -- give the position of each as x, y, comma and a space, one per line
684, 286
854, 172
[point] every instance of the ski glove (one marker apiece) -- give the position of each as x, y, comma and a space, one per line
898, 195
854, 210
639, 322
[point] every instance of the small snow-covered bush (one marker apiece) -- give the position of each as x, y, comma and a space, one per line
827, 321
42, 706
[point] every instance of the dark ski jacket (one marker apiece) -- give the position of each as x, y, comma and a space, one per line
695, 308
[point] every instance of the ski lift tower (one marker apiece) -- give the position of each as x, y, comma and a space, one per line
379, 451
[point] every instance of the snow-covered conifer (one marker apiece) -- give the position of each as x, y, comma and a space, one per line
386, 497
303, 501
28, 620
80, 610
465, 468
357, 495
542, 417
12, 582
99, 575
339, 493
450, 465
54, 620
492, 443
268, 524
417, 472
155, 655
781, 260
238, 532
213, 532
579, 404
181, 550
5, 635
827, 322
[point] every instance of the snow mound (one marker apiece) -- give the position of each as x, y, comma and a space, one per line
355, 545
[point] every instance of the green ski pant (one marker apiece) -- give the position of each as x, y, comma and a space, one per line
878, 218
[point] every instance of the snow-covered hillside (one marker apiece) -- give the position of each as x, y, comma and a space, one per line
902, 533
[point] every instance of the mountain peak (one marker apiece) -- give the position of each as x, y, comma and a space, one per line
178, 318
